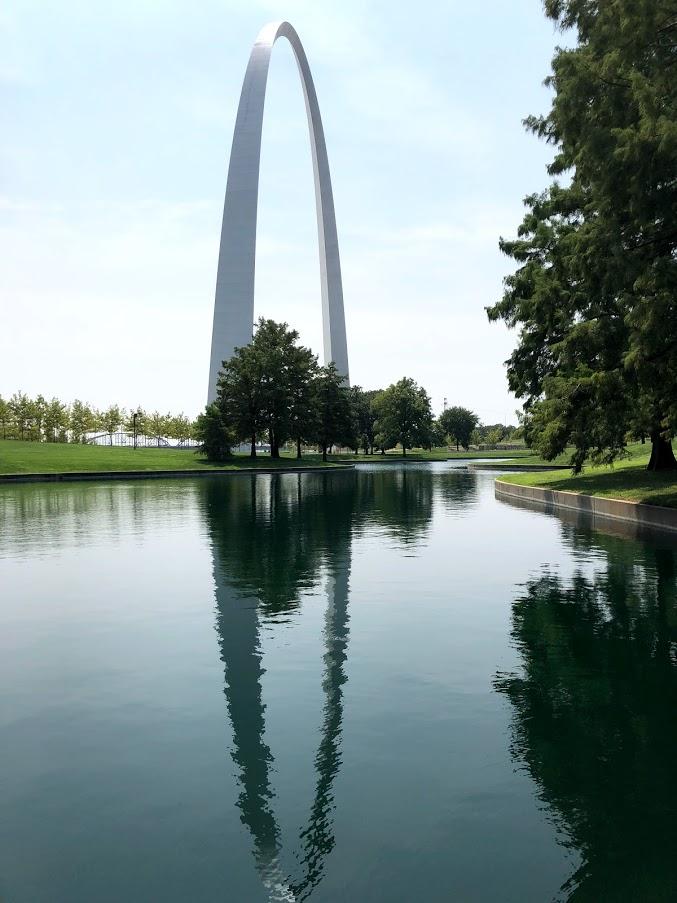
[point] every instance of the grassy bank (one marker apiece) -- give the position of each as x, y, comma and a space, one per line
55, 457
48, 457
628, 480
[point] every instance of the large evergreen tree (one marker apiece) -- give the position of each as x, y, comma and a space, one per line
595, 292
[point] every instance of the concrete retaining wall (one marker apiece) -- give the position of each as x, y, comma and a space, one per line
550, 500
157, 474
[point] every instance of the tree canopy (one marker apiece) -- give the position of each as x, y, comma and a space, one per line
595, 291
403, 415
458, 423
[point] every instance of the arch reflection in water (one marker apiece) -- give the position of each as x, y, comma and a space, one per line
313, 538
594, 713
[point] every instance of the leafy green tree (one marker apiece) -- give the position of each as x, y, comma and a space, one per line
276, 349
179, 427
595, 291
495, 435
365, 417
300, 371
155, 425
38, 409
111, 419
438, 435
239, 395
458, 423
265, 386
136, 422
81, 420
5, 416
20, 407
404, 415
213, 433
55, 421
333, 412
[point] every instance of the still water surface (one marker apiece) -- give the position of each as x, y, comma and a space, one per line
379, 685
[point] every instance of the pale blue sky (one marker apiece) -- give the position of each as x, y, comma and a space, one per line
115, 128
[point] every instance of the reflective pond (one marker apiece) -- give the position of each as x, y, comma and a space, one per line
370, 685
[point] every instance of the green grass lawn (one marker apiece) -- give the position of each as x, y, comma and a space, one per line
56, 457
627, 479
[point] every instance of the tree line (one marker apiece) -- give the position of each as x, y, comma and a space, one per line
594, 295
275, 390
39, 420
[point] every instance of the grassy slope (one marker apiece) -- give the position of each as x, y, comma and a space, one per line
44, 457
627, 479
48, 457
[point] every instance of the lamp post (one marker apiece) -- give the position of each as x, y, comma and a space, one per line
134, 416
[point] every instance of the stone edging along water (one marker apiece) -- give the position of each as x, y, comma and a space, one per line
72, 476
637, 513
506, 465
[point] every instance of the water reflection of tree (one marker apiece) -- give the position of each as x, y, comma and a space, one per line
458, 490
595, 716
293, 529
398, 499
273, 535
272, 538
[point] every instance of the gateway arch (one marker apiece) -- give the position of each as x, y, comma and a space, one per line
234, 301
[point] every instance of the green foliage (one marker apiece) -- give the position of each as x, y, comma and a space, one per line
595, 292
403, 416
458, 423
81, 420
333, 414
213, 433
55, 421
364, 417
5, 417
111, 419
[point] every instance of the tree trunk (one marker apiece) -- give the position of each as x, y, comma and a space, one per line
274, 446
252, 453
404, 451
298, 448
324, 452
662, 455
457, 445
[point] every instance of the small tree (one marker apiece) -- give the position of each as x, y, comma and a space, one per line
111, 419
5, 416
156, 424
404, 415
213, 433
20, 410
81, 420
459, 423
180, 427
55, 421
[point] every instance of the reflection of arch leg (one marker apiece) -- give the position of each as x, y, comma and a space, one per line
234, 301
318, 838
237, 627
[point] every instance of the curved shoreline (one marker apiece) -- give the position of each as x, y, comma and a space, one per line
74, 476
551, 500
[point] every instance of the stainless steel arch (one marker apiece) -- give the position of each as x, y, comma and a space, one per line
234, 301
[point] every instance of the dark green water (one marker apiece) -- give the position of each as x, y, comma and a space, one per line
382, 685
